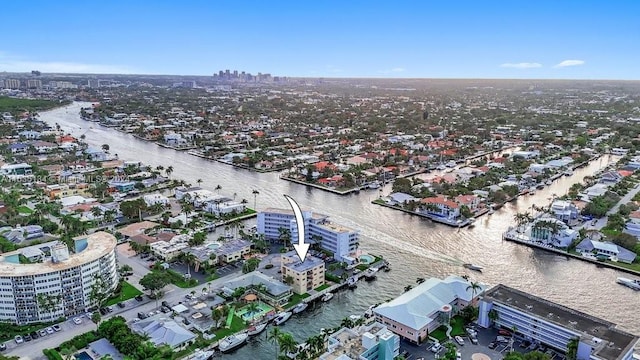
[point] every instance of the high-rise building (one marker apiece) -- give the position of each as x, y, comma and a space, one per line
34, 84
11, 84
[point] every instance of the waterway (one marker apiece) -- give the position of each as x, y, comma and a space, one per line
414, 246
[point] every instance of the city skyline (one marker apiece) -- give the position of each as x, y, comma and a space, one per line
462, 39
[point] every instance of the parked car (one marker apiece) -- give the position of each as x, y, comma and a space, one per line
34, 335
139, 297
3, 347
18, 339
473, 339
458, 355
492, 345
77, 320
436, 347
471, 331
27, 337
56, 327
49, 330
121, 305
165, 303
459, 340
142, 315
42, 332
502, 339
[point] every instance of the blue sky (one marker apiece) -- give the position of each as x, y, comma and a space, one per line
413, 39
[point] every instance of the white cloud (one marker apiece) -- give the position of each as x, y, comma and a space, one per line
566, 63
522, 65
10, 63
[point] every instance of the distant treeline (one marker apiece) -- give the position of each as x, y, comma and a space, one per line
13, 105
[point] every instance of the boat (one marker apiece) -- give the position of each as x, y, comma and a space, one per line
568, 172
282, 318
352, 282
374, 185
300, 308
631, 283
200, 355
328, 296
471, 222
233, 342
369, 312
370, 274
256, 329
532, 191
473, 267
549, 182
491, 211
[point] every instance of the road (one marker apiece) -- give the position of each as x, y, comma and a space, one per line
33, 349
625, 199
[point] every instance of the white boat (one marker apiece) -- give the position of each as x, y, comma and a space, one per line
568, 172
549, 182
473, 267
634, 284
352, 282
233, 342
328, 296
374, 185
256, 329
491, 211
200, 355
300, 308
370, 274
282, 318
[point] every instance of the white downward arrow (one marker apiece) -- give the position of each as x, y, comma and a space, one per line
301, 247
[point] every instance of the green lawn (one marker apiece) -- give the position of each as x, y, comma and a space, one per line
15, 105
458, 329
24, 210
237, 324
322, 287
127, 292
295, 300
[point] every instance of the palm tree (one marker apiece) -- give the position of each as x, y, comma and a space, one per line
168, 171
287, 343
274, 335
419, 280
407, 288
218, 188
255, 199
347, 322
473, 286
190, 259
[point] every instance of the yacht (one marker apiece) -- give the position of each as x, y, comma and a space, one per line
370, 274
549, 182
200, 355
532, 191
256, 329
374, 185
634, 284
568, 172
282, 318
300, 308
328, 296
352, 282
233, 342
473, 267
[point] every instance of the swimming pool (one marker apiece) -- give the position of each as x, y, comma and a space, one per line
214, 245
367, 259
246, 314
83, 356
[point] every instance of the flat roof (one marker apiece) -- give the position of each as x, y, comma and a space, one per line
615, 342
310, 262
99, 244
314, 215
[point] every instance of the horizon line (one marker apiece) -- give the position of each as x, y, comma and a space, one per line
334, 77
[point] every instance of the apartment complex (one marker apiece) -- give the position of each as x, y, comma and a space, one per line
372, 342
341, 241
55, 282
306, 275
421, 310
554, 325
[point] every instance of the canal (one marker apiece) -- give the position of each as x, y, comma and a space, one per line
415, 247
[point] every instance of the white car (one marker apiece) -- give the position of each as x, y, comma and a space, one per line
49, 330
459, 340
18, 339
77, 320
435, 348
458, 355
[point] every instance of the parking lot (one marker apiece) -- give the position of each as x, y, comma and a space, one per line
485, 337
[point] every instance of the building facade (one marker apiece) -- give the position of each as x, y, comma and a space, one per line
554, 325
341, 241
304, 276
61, 283
372, 342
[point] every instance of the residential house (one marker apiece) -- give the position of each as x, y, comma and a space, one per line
400, 198
564, 210
440, 206
551, 231
610, 177
606, 249
164, 332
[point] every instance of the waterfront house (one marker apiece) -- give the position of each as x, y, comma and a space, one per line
374, 341
19, 148
470, 201
564, 210
152, 199
610, 177
606, 249
421, 310
305, 276
269, 290
400, 198
551, 231
440, 206
226, 207
57, 191
594, 191
633, 225
96, 154
122, 186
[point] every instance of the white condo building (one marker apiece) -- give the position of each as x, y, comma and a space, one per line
339, 240
45, 282
554, 325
